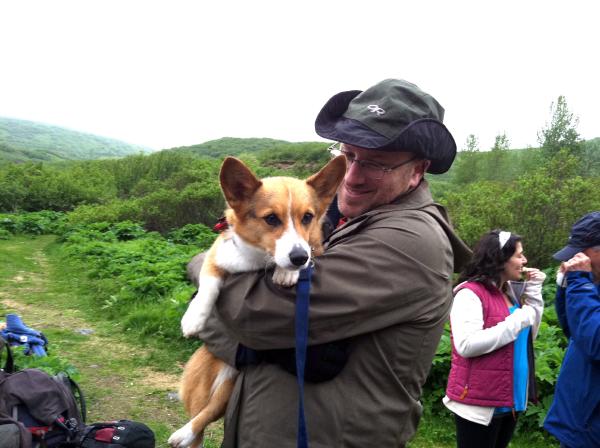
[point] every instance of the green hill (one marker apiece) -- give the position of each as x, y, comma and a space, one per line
22, 140
230, 146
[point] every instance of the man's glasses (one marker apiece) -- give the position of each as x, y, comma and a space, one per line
369, 168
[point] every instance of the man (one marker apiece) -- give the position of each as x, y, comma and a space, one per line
383, 286
574, 416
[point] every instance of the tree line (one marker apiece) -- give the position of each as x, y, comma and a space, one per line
536, 192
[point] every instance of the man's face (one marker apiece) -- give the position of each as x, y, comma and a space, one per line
593, 254
359, 193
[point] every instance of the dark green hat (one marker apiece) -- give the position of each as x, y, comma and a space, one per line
393, 115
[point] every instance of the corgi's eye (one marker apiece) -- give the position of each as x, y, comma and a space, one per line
307, 218
272, 220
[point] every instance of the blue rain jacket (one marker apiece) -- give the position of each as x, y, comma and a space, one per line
574, 416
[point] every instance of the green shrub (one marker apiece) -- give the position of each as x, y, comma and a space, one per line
193, 234
138, 281
51, 364
33, 223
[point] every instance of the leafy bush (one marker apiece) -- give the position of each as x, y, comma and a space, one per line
34, 223
196, 234
138, 281
540, 206
127, 230
51, 364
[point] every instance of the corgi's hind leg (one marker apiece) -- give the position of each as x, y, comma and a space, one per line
192, 433
184, 437
220, 393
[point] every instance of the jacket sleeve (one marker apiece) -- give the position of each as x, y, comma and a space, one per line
560, 304
218, 340
386, 274
469, 336
583, 312
533, 297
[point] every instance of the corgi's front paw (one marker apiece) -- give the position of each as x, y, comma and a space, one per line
192, 324
182, 438
285, 277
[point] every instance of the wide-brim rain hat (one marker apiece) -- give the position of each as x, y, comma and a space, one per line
393, 115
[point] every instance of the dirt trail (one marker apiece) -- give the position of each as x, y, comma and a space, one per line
114, 387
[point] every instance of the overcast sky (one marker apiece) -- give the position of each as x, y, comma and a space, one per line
174, 73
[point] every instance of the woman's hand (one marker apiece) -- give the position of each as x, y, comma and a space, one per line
534, 275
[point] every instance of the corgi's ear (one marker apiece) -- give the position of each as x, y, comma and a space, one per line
328, 179
237, 182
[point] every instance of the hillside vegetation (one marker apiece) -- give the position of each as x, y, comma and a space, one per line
22, 141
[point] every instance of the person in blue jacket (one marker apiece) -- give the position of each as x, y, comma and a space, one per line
574, 416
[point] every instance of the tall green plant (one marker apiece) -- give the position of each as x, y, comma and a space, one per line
561, 132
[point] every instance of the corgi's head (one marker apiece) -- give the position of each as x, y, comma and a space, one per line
280, 215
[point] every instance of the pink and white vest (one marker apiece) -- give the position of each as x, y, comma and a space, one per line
485, 380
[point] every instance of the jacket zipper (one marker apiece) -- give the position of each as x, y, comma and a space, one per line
466, 388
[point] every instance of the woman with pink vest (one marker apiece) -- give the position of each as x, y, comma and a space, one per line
494, 319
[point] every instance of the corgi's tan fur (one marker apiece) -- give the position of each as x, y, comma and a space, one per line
272, 221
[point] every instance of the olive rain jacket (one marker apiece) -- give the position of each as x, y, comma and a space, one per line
574, 416
384, 281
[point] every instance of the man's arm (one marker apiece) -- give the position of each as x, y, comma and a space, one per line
387, 274
583, 312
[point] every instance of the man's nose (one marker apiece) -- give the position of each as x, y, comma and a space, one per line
354, 174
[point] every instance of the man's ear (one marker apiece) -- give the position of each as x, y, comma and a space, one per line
237, 182
419, 169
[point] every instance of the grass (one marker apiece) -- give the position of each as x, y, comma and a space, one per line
121, 374
439, 432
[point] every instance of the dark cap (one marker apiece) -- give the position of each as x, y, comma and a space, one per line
585, 233
393, 115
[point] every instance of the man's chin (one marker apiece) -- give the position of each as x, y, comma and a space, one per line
351, 210
353, 205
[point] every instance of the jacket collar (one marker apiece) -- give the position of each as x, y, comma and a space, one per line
418, 199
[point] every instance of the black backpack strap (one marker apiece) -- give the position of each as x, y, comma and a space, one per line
9, 365
80, 397
68, 382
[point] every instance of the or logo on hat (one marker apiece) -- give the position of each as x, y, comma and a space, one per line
376, 109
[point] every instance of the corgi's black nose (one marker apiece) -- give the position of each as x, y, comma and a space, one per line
298, 256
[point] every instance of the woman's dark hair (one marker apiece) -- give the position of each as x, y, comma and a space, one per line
489, 258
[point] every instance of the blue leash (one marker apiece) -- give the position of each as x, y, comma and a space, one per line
302, 302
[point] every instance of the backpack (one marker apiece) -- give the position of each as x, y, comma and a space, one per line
117, 434
49, 411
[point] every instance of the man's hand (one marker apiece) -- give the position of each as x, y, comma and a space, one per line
579, 262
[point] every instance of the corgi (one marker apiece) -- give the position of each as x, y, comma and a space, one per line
274, 221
